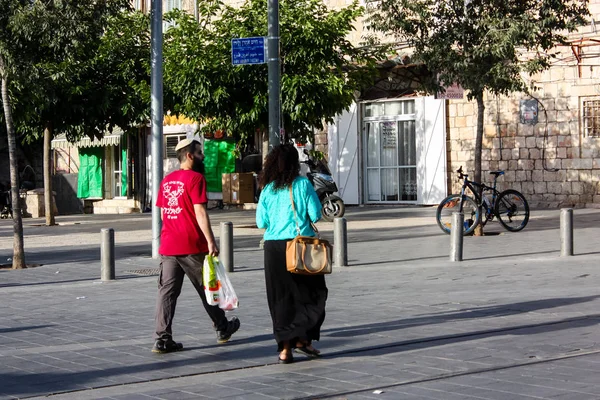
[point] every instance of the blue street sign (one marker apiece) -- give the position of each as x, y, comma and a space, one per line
248, 50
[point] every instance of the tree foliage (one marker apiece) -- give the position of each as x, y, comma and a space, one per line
483, 45
320, 69
80, 66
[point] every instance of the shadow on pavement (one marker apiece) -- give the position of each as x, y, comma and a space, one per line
194, 361
75, 254
513, 255
434, 341
356, 263
52, 282
23, 328
148, 368
469, 313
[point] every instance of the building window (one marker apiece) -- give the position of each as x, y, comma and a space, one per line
173, 4
390, 108
391, 151
591, 117
119, 161
170, 144
141, 5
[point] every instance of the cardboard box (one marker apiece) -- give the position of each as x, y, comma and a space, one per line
226, 183
238, 188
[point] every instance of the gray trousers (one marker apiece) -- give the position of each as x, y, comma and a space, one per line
170, 281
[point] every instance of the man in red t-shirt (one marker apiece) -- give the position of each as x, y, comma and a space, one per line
185, 239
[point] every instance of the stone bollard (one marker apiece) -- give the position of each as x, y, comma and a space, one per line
566, 232
107, 254
456, 237
340, 242
226, 245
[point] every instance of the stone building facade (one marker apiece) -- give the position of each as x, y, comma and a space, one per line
556, 161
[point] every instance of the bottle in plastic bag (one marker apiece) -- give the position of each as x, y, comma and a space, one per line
212, 286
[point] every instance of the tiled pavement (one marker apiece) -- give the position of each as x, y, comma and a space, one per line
512, 321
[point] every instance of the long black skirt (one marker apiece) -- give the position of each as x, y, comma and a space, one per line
296, 302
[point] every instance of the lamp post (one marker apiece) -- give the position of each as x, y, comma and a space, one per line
273, 73
157, 117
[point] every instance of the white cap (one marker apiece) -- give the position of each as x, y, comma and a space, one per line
183, 143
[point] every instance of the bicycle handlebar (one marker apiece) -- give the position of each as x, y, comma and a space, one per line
463, 176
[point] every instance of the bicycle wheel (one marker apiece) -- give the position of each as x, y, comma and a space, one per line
512, 210
450, 205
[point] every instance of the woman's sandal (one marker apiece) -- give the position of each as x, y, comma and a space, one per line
288, 360
308, 350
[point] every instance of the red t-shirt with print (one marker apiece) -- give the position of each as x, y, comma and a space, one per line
181, 234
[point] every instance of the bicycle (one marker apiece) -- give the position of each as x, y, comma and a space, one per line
509, 207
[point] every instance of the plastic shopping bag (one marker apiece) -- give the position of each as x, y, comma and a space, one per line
217, 286
228, 299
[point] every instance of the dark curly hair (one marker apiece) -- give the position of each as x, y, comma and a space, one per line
282, 166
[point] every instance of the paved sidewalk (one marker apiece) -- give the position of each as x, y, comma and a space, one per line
512, 321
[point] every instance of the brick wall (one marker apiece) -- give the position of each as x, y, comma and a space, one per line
321, 143
552, 163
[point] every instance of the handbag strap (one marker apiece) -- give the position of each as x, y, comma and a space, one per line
294, 209
296, 216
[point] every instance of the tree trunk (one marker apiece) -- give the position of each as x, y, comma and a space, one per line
18, 261
478, 147
48, 196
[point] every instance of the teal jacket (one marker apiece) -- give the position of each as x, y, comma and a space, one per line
274, 212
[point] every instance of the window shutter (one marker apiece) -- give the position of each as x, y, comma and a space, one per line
171, 143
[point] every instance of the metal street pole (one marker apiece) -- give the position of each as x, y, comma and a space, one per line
274, 76
157, 118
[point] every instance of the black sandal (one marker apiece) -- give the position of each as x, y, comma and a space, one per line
312, 353
288, 360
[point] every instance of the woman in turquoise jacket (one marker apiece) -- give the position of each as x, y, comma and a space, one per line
296, 302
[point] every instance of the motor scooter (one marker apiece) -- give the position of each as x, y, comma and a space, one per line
5, 202
6, 209
321, 178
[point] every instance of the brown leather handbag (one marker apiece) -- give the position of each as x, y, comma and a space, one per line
307, 255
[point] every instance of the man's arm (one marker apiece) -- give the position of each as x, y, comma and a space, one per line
204, 223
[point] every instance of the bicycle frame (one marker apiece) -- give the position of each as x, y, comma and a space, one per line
478, 190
